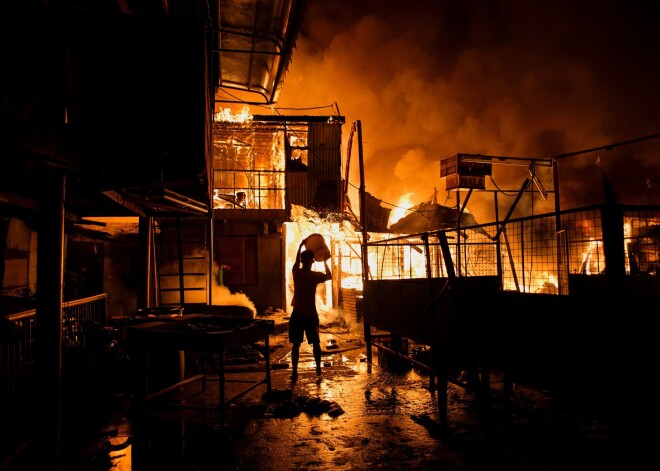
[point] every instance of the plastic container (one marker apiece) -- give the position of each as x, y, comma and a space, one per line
316, 242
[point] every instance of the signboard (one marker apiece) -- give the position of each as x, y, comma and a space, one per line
465, 181
449, 166
464, 164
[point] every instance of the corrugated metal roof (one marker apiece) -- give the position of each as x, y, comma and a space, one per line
253, 43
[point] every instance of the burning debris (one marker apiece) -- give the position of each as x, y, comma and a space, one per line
431, 216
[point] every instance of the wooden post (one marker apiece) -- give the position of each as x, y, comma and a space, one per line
363, 224
49, 318
145, 262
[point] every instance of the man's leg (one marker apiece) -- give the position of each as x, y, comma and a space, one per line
295, 354
295, 337
316, 349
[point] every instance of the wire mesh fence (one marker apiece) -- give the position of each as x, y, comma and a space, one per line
533, 254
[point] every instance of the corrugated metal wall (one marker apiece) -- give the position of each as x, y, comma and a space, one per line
324, 177
296, 188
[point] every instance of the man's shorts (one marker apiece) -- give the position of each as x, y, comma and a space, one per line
307, 325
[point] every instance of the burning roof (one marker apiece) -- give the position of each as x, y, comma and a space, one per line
431, 216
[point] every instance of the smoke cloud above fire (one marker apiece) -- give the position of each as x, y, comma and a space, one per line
431, 78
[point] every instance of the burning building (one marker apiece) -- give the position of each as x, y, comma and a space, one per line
266, 170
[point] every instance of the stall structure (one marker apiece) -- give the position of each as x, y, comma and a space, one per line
552, 300
209, 337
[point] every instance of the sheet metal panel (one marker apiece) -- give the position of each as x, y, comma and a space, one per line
324, 178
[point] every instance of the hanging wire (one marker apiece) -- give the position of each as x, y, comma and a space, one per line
504, 192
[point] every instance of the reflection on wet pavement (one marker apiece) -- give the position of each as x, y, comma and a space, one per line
356, 416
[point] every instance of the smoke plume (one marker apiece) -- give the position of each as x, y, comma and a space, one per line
428, 79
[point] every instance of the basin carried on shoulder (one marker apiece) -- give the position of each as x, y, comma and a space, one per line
316, 242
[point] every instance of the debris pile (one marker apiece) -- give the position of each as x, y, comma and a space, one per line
283, 404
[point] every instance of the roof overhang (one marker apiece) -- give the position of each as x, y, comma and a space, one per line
253, 45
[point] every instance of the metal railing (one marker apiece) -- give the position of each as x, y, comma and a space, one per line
81, 321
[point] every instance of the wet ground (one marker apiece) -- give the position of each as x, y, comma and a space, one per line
355, 416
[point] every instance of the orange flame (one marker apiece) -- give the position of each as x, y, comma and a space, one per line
226, 115
401, 208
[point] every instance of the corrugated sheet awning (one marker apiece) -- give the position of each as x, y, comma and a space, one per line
253, 47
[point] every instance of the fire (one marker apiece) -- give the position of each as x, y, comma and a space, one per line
402, 207
547, 284
228, 116
592, 259
542, 283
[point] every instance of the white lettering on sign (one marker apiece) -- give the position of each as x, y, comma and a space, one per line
465, 181
449, 166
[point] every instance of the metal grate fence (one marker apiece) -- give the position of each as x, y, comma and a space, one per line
534, 254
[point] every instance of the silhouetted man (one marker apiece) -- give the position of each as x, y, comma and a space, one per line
304, 319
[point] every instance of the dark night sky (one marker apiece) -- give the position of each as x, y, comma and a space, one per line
431, 78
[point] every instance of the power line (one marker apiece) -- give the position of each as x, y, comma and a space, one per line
608, 147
